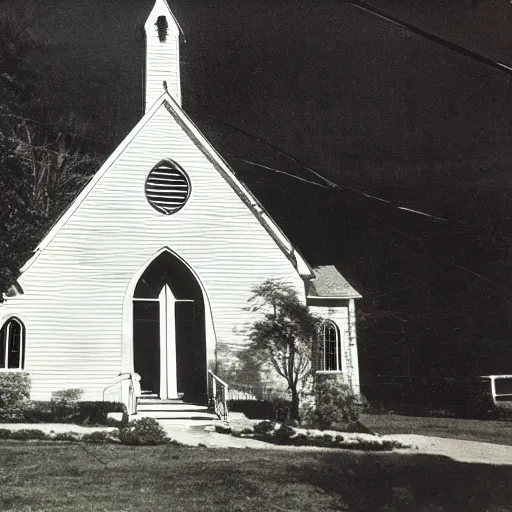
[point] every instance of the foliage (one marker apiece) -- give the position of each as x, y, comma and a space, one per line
43, 165
67, 436
244, 374
146, 431
284, 336
27, 434
22, 434
19, 222
67, 395
43, 170
14, 394
336, 404
264, 427
17, 78
273, 408
80, 413
101, 437
291, 435
59, 162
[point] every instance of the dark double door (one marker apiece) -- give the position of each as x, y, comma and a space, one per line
179, 367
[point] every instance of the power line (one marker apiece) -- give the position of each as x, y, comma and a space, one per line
431, 37
326, 180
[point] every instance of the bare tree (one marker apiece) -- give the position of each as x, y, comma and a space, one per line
58, 163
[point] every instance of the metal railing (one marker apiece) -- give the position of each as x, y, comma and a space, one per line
218, 396
133, 390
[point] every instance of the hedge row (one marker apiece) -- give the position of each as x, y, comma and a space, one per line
80, 413
16, 407
143, 432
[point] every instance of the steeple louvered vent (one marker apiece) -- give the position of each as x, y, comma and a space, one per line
167, 188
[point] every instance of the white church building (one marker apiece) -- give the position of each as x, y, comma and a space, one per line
150, 269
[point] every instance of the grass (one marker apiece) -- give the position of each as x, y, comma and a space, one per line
38, 476
488, 431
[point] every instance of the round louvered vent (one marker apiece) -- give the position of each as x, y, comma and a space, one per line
167, 188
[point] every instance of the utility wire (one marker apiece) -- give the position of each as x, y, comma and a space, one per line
431, 37
327, 181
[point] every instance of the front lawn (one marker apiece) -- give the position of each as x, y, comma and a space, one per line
44, 477
488, 431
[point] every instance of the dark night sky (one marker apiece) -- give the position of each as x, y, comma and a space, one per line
367, 104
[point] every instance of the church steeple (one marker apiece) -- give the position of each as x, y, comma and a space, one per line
162, 54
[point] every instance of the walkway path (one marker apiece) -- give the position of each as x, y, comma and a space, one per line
457, 449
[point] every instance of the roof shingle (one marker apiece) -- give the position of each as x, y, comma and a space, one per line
328, 282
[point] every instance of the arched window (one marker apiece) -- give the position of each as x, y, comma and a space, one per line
12, 345
330, 347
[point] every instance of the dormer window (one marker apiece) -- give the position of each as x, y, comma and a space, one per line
162, 27
167, 187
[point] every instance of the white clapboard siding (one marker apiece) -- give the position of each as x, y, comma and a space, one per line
74, 300
340, 316
344, 318
162, 57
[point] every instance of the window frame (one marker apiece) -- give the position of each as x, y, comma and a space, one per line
5, 340
323, 355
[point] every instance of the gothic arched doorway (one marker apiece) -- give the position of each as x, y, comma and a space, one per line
169, 336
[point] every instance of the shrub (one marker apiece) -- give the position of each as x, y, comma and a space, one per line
64, 403
146, 431
67, 395
26, 434
22, 434
101, 437
14, 394
34, 434
5, 433
275, 408
68, 436
336, 405
82, 413
264, 427
287, 435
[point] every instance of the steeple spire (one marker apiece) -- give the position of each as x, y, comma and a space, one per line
162, 54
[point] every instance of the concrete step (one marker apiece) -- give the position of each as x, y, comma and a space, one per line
175, 412
164, 415
170, 407
169, 424
153, 401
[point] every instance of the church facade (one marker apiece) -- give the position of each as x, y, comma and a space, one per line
149, 271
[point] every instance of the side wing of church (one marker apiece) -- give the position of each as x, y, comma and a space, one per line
150, 269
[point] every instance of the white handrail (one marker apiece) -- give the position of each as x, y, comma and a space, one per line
218, 379
133, 390
218, 399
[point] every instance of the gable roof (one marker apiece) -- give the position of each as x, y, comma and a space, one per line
328, 283
167, 101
